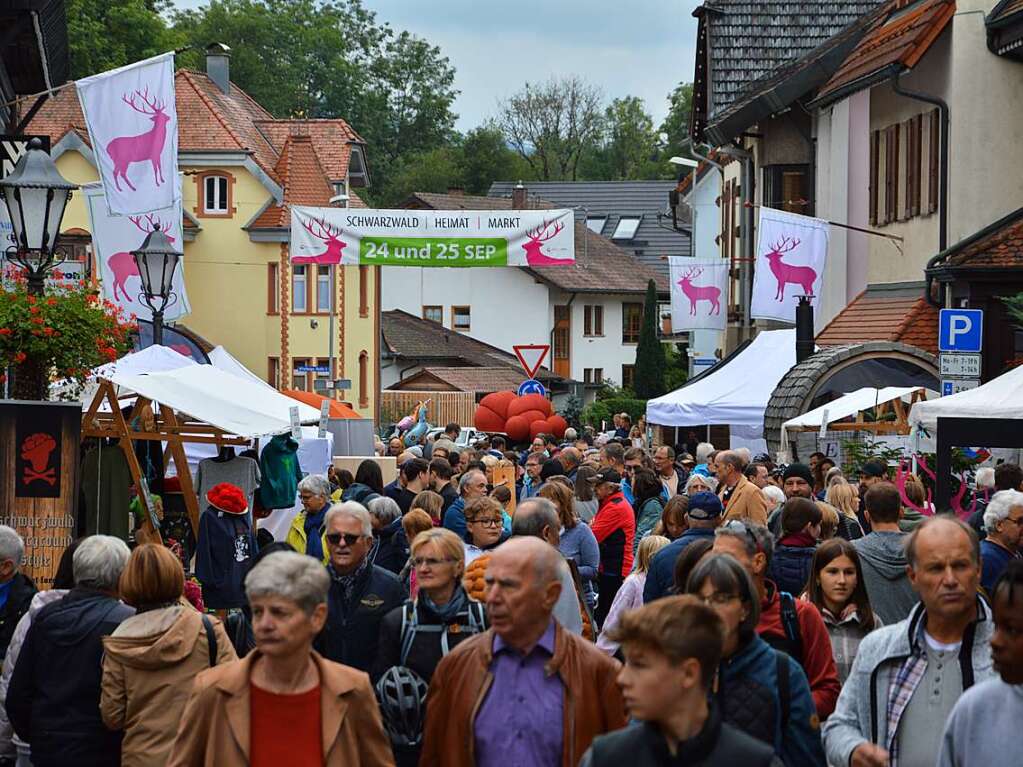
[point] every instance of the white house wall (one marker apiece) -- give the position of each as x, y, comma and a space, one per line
607, 351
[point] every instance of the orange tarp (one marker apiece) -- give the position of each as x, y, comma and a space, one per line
337, 409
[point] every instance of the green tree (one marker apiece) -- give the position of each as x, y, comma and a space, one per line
630, 147
676, 124
105, 34
332, 58
486, 158
552, 125
435, 170
649, 353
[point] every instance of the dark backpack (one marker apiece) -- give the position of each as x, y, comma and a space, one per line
792, 643
475, 623
751, 707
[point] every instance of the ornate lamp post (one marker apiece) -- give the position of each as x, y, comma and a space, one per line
36, 196
157, 259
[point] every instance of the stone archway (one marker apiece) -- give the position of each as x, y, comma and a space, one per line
847, 367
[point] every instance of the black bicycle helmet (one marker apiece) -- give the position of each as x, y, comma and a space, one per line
401, 693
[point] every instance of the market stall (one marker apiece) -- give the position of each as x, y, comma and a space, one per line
192, 404
999, 398
849, 413
733, 393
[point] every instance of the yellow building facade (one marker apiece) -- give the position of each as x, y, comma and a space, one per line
242, 168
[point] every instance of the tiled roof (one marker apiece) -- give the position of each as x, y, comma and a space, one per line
746, 40
332, 140
885, 313
894, 44
301, 155
472, 379
612, 201
600, 265
997, 246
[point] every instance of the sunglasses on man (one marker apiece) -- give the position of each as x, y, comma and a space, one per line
334, 539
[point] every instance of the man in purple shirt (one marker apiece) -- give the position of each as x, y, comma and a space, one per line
526, 692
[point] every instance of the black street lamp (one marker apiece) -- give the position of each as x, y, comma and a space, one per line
36, 196
157, 259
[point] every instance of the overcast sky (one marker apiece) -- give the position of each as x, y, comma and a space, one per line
639, 47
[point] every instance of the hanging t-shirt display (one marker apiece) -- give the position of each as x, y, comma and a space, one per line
225, 548
280, 473
237, 470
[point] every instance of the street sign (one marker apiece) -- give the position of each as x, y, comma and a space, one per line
960, 330
312, 368
296, 425
325, 384
531, 356
957, 385
324, 415
959, 365
532, 386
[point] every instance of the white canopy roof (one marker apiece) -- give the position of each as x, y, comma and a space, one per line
843, 407
735, 393
223, 359
152, 359
236, 405
998, 398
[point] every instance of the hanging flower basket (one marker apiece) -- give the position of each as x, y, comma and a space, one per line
62, 334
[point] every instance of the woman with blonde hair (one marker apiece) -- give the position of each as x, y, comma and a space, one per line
416, 636
415, 522
151, 660
843, 497
577, 540
431, 503
630, 595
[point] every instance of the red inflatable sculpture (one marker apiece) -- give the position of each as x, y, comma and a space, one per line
521, 418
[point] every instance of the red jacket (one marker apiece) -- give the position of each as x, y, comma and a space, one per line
818, 661
614, 527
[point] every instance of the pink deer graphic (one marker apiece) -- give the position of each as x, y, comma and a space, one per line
697, 293
122, 265
786, 273
125, 150
330, 236
541, 234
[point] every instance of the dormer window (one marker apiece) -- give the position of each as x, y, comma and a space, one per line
215, 192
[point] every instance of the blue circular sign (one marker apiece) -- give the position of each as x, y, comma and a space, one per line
532, 386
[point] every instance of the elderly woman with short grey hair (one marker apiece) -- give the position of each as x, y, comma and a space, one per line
698, 483
391, 549
286, 701
361, 593
17, 586
53, 698
307, 528
1003, 523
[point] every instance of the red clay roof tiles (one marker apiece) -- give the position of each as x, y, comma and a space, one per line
879, 317
902, 38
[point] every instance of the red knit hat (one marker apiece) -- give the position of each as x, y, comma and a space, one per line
227, 497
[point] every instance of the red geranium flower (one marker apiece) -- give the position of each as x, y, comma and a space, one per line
20, 357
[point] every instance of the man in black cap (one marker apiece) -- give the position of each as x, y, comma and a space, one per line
614, 527
704, 515
797, 482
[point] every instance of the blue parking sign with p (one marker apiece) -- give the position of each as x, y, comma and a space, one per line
960, 330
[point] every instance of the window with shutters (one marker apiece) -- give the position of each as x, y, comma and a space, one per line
875, 170
593, 320
903, 158
891, 174
788, 187
632, 322
912, 128
273, 287
461, 318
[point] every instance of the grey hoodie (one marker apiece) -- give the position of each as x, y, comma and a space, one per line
883, 558
860, 716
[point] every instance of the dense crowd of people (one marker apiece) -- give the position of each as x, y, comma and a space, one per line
619, 605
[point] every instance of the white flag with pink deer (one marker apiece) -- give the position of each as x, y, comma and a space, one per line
132, 119
113, 240
791, 253
699, 294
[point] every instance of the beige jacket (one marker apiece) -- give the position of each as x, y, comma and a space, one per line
215, 727
149, 666
746, 502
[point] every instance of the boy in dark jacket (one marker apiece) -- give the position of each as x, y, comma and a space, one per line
672, 649
801, 526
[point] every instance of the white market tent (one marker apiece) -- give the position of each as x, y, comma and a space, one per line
735, 393
235, 405
1001, 397
223, 359
844, 407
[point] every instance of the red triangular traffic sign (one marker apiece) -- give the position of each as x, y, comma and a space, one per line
531, 356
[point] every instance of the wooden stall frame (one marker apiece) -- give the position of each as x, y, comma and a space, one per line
173, 428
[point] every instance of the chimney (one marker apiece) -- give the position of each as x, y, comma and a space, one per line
218, 66
519, 197
804, 329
